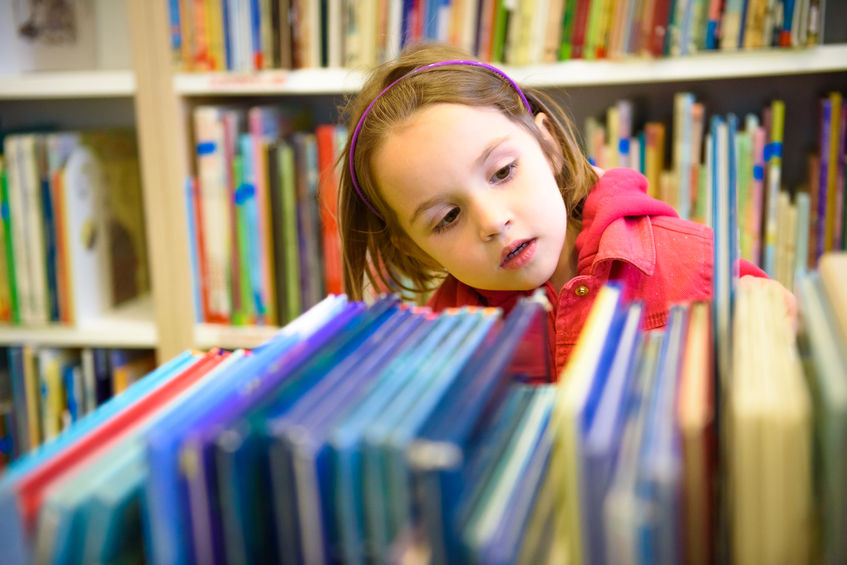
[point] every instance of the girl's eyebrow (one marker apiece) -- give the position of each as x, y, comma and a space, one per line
489, 149
478, 162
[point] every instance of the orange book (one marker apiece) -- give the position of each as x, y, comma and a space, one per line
57, 192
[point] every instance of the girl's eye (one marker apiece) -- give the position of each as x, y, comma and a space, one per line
503, 173
447, 221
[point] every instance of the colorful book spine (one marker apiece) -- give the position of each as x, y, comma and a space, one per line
773, 160
832, 188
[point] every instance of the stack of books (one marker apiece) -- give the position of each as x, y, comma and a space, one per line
388, 433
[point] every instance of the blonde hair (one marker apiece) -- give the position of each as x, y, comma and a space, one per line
377, 249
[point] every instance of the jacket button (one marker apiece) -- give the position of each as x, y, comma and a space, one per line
581, 290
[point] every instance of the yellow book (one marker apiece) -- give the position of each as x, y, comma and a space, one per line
833, 269
33, 395
215, 37
768, 423
573, 388
695, 411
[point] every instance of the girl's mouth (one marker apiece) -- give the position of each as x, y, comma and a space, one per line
518, 254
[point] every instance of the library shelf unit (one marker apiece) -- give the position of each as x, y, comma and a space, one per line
79, 100
739, 82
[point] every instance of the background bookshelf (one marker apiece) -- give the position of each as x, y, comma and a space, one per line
94, 91
150, 94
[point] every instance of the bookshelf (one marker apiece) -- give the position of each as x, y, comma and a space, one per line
727, 82
78, 100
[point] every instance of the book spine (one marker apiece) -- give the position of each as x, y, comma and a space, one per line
19, 394
823, 177
214, 212
774, 176
328, 195
174, 28
193, 252
8, 245
801, 241
35, 230
832, 170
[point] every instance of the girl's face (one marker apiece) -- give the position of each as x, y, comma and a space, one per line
475, 191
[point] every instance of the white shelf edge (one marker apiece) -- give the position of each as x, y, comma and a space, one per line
207, 336
302, 81
700, 66
68, 84
130, 325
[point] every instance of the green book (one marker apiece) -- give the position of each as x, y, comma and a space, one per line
8, 254
242, 311
501, 25
566, 44
291, 253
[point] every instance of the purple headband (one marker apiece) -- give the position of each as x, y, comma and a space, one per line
384, 90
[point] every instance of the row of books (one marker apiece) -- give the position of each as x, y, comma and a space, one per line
245, 35
781, 229
376, 433
44, 390
262, 214
72, 239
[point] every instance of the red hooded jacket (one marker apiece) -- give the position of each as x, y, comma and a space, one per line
628, 236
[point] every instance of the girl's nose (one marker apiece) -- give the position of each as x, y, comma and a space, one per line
493, 219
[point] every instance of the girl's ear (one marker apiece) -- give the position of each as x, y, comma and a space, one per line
554, 152
543, 123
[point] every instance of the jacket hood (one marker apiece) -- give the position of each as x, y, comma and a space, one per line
618, 194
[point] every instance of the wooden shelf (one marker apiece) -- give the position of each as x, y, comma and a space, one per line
130, 325
70, 84
207, 336
701, 66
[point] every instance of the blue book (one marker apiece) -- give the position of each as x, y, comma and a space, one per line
199, 445
489, 520
659, 475
168, 525
12, 534
190, 187
299, 447
455, 427
241, 448
620, 522
601, 440
346, 437
387, 485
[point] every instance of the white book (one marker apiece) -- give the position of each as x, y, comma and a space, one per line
29, 185
214, 203
335, 33
86, 235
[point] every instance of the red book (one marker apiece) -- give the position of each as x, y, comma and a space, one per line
583, 7
328, 197
31, 487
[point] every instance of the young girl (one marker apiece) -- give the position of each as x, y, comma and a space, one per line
456, 180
